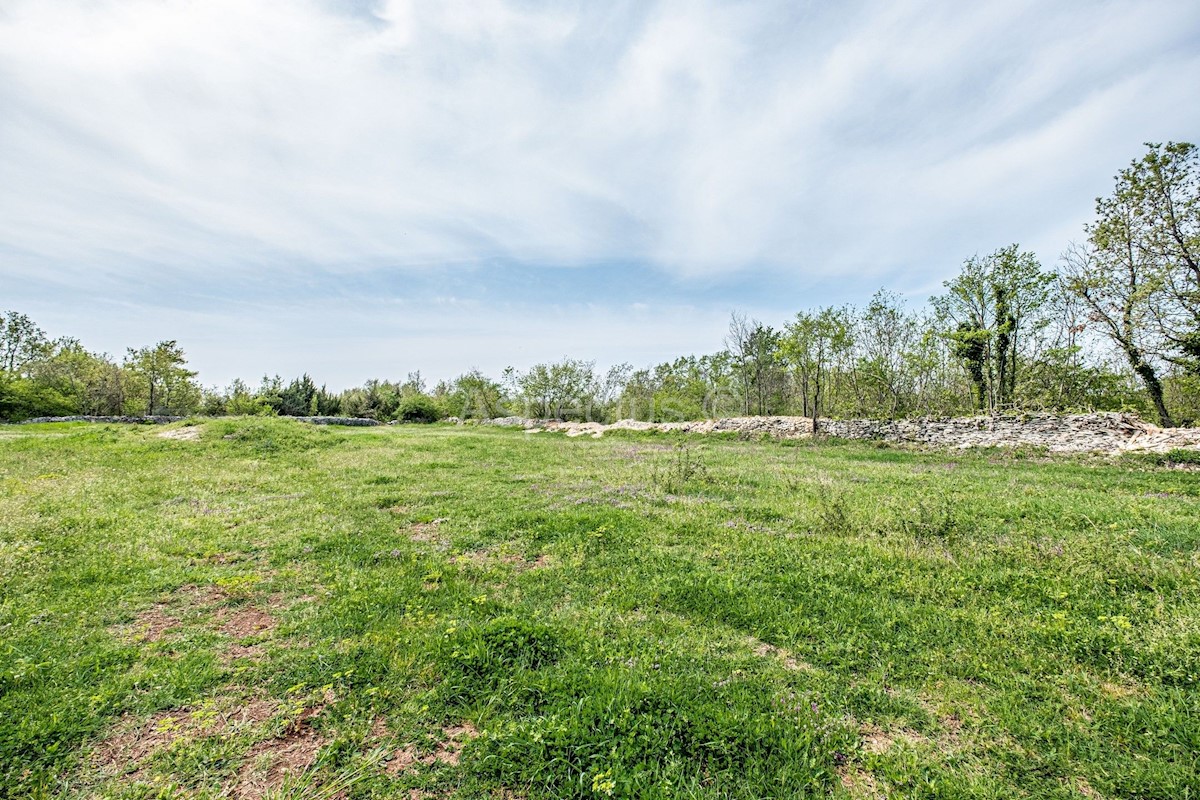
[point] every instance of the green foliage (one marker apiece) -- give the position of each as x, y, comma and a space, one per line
22, 343
815, 345
472, 395
159, 381
21, 398
995, 308
481, 656
679, 471
418, 408
566, 389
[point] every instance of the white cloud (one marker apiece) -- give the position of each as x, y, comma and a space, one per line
162, 142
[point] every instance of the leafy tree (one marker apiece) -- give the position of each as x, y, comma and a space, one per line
990, 307
415, 407
1161, 191
886, 337
754, 348
241, 400
472, 395
86, 379
563, 390
298, 398
161, 379
21, 343
812, 344
22, 398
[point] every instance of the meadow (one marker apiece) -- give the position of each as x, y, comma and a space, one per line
257, 608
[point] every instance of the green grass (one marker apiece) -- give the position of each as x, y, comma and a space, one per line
478, 613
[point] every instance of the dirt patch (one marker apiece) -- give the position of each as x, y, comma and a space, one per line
790, 662
521, 564
426, 531
448, 750
951, 735
270, 763
486, 558
152, 625
859, 783
379, 730
1084, 788
155, 623
240, 623
132, 741
201, 596
1117, 691
875, 740
234, 652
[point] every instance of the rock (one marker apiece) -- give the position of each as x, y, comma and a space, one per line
153, 419
1103, 432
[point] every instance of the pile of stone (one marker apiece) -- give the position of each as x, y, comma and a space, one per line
162, 420
1105, 432
125, 420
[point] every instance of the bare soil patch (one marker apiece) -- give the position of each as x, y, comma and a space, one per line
270, 763
132, 742
426, 531
790, 662
875, 740
240, 623
153, 624
448, 750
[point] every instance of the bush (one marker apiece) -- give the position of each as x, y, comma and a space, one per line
418, 408
22, 399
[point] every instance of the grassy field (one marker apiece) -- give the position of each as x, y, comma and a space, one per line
276, 610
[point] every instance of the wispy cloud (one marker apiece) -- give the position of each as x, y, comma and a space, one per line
177, 144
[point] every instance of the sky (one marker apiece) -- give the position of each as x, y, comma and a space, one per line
364, 188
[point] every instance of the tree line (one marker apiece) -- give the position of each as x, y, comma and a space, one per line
1115, 326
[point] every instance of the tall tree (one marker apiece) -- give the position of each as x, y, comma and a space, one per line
755, 350
990, 308
1119, 287
1163, 191
162, 378
812, 344
886, 338
21, 342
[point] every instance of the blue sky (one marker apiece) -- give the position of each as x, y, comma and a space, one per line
361, 189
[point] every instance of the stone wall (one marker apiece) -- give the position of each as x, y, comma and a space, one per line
126, 420
1075, 433
162, 420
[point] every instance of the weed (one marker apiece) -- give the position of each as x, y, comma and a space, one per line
678, 472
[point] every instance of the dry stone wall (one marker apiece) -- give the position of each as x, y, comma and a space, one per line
1075, 433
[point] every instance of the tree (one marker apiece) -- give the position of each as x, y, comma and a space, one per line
298, 398
755, 350
1162, 192
21, 342
811, 344
473, 395
1119, 288
990, 307
886, 338
83, 377
161, 377
564, 389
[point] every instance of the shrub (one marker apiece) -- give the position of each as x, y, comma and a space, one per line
418, 408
